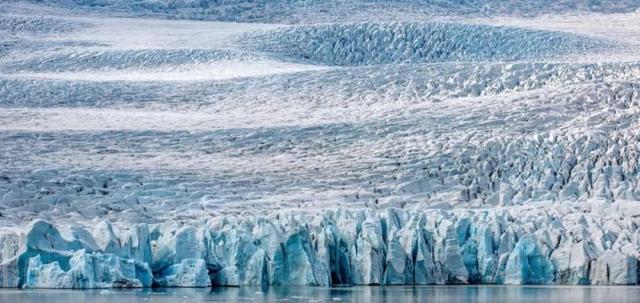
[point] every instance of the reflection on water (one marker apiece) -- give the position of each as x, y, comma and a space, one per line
394, 294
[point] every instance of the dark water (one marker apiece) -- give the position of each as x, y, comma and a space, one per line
393, 294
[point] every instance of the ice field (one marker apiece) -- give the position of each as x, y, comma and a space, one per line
195, 143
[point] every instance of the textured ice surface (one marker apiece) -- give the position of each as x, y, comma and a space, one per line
118, 59
367, 43
188, 273
95, 270
298, 11
592, 242
16, 24
434, 150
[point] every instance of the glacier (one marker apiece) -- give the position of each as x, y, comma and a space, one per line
332, 143
383, 43
590, 243
295, 11
94, 270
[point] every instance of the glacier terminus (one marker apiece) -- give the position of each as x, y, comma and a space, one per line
165, 143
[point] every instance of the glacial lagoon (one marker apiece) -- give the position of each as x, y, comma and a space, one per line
395, 294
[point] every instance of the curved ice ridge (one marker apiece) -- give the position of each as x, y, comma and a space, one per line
124, 59
374, 85
15, 24
351, 44
306, 11
540, 243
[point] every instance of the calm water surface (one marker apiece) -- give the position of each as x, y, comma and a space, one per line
394, 294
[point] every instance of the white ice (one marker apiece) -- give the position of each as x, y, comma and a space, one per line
345, 143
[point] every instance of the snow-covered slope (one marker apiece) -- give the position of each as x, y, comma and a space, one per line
304, 11
138, 152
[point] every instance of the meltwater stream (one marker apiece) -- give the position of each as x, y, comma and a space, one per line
395, 294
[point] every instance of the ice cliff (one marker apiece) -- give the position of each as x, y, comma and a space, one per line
540, 243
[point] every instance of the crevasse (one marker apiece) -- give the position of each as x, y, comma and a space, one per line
353, 44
